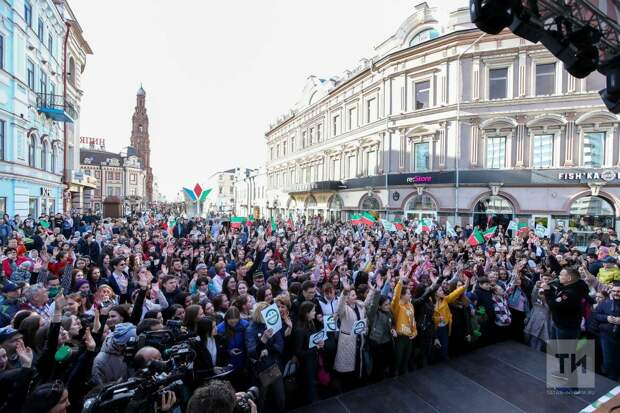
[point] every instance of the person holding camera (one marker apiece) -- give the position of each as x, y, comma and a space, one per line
219, 396
606, 318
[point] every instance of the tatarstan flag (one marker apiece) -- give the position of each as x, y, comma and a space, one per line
522, 228
289, 222
368, 219
488, 234
250, 220
236, 222
475, 238
272, 226
356, 219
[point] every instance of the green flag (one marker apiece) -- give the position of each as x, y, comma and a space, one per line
475, 238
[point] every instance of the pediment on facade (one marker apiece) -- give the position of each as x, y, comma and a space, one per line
314, 90
598, 116
546, 120
498, 123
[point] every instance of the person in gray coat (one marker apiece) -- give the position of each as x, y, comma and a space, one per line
537, 325
109, 365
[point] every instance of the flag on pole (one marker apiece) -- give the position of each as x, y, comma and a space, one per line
399, 225
522, 228
488, 234
368, 219
204, 194
450, 230
272, 227
289, 222
250, 220
475, 238
236, 222
356, 219
388, 226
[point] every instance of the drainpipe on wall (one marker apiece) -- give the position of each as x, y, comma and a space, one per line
65, 175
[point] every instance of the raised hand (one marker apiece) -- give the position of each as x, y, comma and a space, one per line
89, 341
24, 354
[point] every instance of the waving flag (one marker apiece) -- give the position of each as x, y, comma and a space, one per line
388, 226
368, 219
236, 222
356, 219
522, 228
488, 234
475, 238
450, 230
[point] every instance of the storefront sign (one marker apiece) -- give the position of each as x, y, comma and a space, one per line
419, 179
46, 192
606, 175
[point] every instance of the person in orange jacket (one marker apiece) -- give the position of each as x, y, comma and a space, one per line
443, 316
402, 311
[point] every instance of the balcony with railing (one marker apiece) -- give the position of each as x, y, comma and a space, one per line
56, 107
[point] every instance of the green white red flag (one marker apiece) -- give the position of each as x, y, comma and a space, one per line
368, 219
356, 219
476, 238
489, 233
237, 222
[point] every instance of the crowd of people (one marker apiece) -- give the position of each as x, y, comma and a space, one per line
153, 314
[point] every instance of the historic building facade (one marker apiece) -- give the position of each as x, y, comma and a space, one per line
33, 107
140, 139
251, 193
119, 176
221, 199
449, 123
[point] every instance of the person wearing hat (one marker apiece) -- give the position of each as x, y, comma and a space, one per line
23, 273
610, 271
109, 365
9, 303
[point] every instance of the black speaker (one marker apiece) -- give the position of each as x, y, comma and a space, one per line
493, 16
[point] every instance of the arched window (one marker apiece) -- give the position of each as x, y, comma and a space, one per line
311, 202
71, 73
291, 203
44, 152
53, 160
370, 203
491, 211
31, 149
424, 36
591, 213
335, 203
421, 203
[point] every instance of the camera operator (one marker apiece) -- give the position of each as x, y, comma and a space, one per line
219, 397
109, 365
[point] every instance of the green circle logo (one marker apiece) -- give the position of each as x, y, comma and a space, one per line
318, 337
359, 327
271, 316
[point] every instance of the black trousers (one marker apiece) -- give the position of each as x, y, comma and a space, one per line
381, 359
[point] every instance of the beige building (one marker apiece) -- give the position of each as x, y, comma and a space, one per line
449, 123
119, 175
221, 199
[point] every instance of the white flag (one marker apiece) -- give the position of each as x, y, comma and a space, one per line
450, 230
388, 226
512, 225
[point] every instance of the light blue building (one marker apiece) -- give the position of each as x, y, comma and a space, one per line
33, 112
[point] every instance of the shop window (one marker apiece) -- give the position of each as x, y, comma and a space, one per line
492, 211
421, 157
370, 203
496, 152
593, 149
498, 83
542, 151
591, 213
420, 207
33, 207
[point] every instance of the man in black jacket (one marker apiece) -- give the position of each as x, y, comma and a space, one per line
566, 302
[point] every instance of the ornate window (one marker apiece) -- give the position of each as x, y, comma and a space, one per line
370, 203
336, 203
31, 149
44, 153
421, 203
493, 210
424, 36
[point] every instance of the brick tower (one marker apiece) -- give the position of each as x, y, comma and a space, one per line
140, 139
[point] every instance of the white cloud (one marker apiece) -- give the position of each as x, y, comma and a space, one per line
217, 73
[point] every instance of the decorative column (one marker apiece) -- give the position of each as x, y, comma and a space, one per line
521, 135
381, 154
402, 152
441, 135
378, 157
571, 132
476, 79
522, 74
474, 141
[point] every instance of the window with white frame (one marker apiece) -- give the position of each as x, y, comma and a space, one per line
352, 167
292, 144
498, 83
371, 110
352, 118
545, 79
319, 129
593, 149
336, 125
283, 148
336, 169
304, 142
542, 151
421, 157
311, 137
496, 152
422, 94
371, 163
